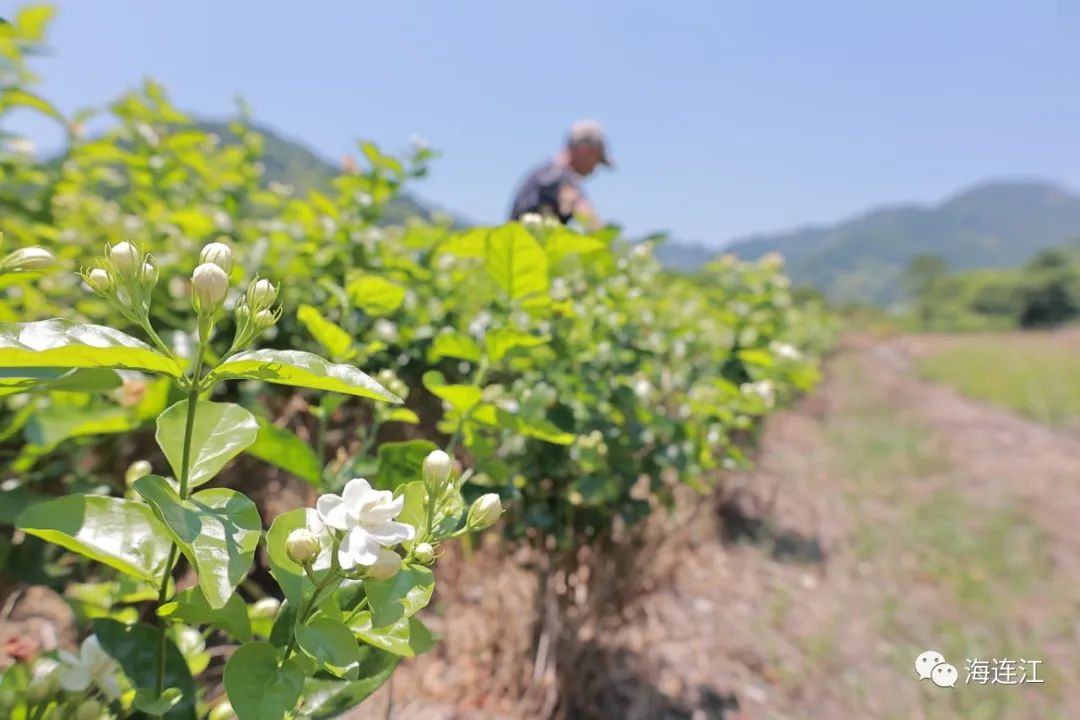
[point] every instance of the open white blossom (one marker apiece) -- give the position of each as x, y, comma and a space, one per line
366, 516
91, 666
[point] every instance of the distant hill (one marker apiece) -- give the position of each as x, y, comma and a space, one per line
292, 162
998, 224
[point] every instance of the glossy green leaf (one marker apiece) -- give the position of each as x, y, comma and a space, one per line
190, 606
259, 686
324, 699
122, 534
217, 530
516, 261
221, 432
407, 637
374, 295
89, 380
62, 343
401, 596
15, 97
455, 345
460, 397
330, 644
413, 511
563, 241
401, 462
335, 341
134, 647
501, 341
301, 369
281, 447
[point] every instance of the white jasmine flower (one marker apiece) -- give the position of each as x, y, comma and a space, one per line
91, 666
366, 516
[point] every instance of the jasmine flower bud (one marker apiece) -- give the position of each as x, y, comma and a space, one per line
302, 546
485, 511
265, 319
436, 468
266, 609
89, 710
136, 470
424, 553
125, 257
149, 274
261, 294
219, 254
99, 279
28, 258
209, 286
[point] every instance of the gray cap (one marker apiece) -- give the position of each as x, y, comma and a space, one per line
589, 132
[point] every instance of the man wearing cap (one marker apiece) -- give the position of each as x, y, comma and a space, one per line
555, 188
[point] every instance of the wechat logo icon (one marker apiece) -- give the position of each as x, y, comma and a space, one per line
931, 665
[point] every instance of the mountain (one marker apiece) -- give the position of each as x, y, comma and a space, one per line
996, 224
293, 163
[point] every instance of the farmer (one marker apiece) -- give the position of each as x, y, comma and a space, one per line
554, 189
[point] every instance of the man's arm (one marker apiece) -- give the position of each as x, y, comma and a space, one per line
572, 202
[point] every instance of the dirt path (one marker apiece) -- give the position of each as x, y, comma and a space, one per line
886, 516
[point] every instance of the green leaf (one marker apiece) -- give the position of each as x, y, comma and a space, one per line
407, 637
757, 356
516, 261
134, 647
331, 644
122, 534
281, 447
190, 606
562, 242
460, 397
504, 339
401, 462
217, 530
32, 20
542, 429
324, 699
150, 703
374, 295
51, 425
469, 243
301, 369
401, 596
334, 340
62, 343
221, 432
403, 415
413, 511
258, 686
15, 97
455, 345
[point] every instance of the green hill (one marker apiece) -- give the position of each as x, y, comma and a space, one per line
291, 162
999, 224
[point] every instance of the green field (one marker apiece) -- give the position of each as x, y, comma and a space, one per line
1036, 374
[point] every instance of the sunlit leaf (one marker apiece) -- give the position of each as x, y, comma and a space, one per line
374, 295
220, 432
302, 369
66, 344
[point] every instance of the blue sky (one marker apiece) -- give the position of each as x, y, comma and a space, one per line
725, 117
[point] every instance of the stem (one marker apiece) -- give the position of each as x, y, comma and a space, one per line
174, 551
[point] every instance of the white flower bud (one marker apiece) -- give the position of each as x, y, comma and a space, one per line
222, 711
266, 609
149, 274
261, 294
29, 258
99, 279
218, 253
436, 468
209, 286
89, 710
136, 470
265, 319
42, 688
125, 257
424, 553
485, 511
386, 566
302, 546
